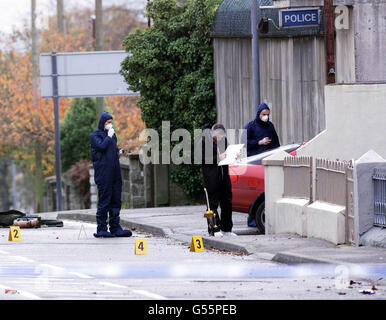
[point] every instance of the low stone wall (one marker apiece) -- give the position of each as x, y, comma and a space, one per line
93, 189
151, 185
143, 186
136, 182
71, 200
125, 171
344, 217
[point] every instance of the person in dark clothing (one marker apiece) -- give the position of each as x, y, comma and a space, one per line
107, 176
216, 178
261, 134
261, 137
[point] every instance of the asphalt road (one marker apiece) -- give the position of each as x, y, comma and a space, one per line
69, 263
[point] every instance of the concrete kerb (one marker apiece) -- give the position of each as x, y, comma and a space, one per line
164, 232
90, 217
290, 258
224, 245
209, 242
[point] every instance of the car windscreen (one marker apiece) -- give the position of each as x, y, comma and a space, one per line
257, 159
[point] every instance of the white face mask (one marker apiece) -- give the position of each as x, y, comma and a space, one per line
264, 118
109, 126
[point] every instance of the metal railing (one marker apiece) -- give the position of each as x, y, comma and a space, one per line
298, 177
350, 216
379, 178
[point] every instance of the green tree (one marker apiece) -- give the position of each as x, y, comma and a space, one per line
75, 130
171, 65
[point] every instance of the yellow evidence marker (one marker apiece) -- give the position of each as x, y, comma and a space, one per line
14, 233
140, 246
196, 245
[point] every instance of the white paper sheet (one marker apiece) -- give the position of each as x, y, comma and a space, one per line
231, 153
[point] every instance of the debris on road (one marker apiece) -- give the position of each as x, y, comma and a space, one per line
7, 217
9, 291
20, 219
368, 291
29, 222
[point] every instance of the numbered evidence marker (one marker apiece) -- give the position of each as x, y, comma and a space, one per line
196, 245
14, 234
140, 246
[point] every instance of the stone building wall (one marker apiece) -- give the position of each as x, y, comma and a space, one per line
125, 171
71, 199
143, 186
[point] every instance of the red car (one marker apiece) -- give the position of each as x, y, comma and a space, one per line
247, 178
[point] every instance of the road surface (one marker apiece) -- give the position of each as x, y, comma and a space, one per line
69, 263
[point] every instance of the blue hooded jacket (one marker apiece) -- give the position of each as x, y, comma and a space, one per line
257, 130
105, 153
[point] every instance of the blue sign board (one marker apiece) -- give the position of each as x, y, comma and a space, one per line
300, 17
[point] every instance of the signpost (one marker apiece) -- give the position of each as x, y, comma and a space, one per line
84, 74
76, 75
299, 17
55, 99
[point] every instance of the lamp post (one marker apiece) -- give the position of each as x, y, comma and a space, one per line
255, 10
148, 19
93, 31
329, 40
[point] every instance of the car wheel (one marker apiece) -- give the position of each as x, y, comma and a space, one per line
260, 217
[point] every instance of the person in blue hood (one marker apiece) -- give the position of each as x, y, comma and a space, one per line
261, 137
261, 134
107, 176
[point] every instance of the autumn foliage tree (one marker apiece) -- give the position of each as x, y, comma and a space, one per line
171, 64
27, 128
75, 130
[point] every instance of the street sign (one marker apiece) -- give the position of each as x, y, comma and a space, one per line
84, 74
77, 75
299, 17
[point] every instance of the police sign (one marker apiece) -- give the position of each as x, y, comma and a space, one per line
300, 17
